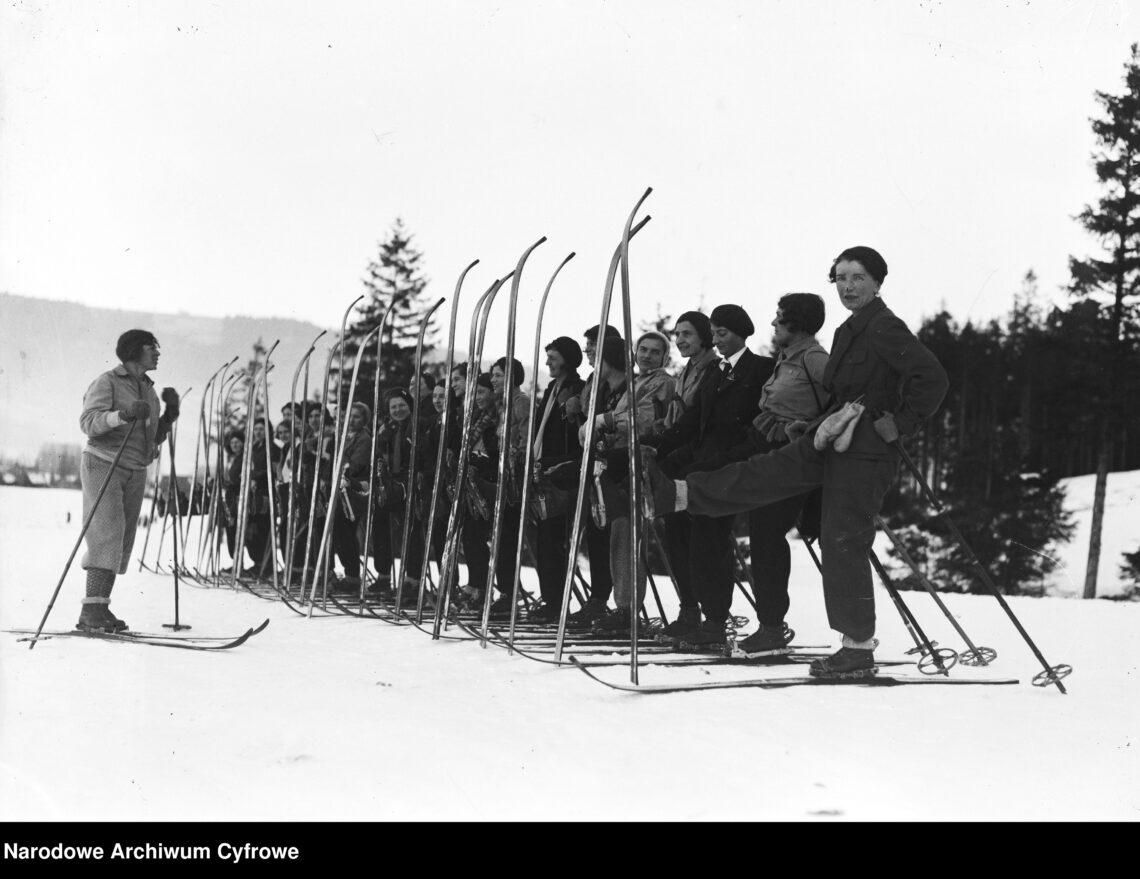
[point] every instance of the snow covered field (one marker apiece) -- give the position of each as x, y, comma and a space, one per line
346, 719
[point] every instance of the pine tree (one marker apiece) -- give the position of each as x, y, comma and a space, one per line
1010, 511
1130, 574
394, 276
1113, 282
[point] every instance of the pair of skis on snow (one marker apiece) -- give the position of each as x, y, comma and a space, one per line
153, 639
790, 655
870, 680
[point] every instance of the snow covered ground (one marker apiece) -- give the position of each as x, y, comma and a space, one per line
346, 719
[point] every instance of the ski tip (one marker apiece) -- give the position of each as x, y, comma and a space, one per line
260, 628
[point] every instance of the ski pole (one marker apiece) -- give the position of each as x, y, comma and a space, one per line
176, 625
158, 569
974, 655
173, 433
83, 531
747, 575
1051, 674
656, 594
153, 507
939, 656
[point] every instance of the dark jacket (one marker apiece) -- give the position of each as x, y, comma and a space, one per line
715, 431
387, 440
874, 355
560, 434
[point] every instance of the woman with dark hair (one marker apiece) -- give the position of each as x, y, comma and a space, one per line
877, 368
124, 432
557, 455
794, 393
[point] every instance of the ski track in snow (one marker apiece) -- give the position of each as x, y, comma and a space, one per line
349, 719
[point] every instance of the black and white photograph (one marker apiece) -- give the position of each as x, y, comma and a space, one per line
478, 411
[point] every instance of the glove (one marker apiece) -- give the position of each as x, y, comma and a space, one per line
770, 427
574, 407
137, 409
793, 430
886, 428
170, 398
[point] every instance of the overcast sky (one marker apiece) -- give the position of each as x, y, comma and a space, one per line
246, 157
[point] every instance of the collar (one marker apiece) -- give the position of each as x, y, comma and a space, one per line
122, 372
858, 321
798, 347
735, 358
703, 359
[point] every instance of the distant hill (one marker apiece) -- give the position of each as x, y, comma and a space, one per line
50, 351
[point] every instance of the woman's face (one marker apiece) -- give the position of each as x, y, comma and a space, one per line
236, 444
399, 409
258, 431
650, 354
555, 364
485, 397
355, 420
497, 380
282, 432
314, 420
726, 341
458, 384
687, 339
856, 288
439, 398
781, 335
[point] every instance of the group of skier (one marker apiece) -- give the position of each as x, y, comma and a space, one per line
805, 436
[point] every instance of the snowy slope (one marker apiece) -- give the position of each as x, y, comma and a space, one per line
346, 719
